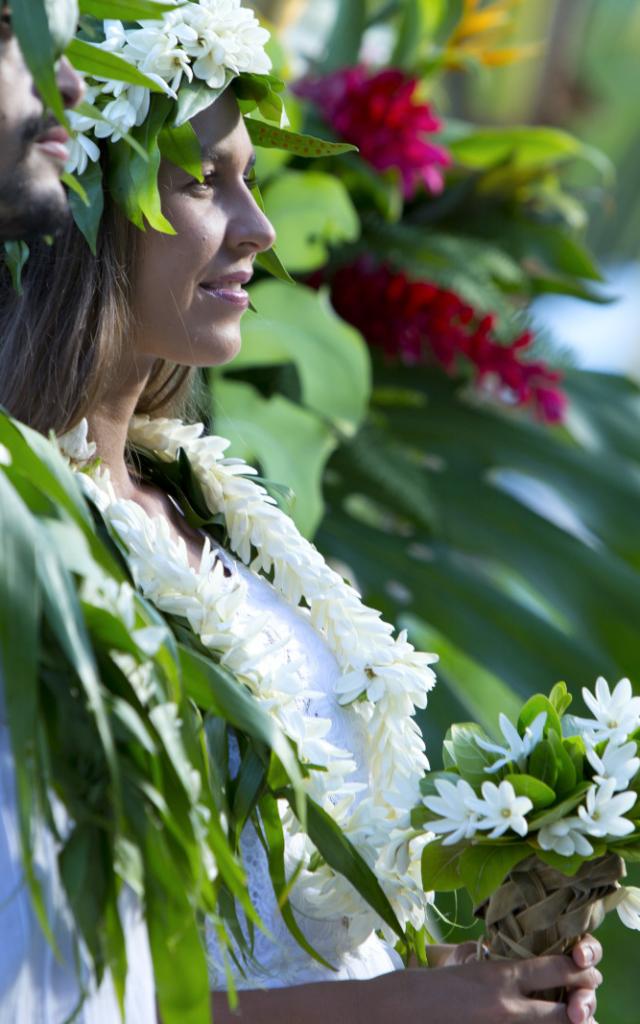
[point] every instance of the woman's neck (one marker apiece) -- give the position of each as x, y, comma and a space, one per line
109, 426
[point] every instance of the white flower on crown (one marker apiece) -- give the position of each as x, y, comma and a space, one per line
210, 40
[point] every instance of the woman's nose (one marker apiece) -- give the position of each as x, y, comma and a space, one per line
70, 83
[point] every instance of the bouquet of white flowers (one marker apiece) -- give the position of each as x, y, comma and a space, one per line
538, 828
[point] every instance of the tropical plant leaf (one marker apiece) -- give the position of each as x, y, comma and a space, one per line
92, 60
484, 868
341, 855
308, 146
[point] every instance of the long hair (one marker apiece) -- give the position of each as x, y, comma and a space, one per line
62, 337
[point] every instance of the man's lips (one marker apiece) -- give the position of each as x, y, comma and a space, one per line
55, 143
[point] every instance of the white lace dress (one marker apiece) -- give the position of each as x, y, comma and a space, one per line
279, 961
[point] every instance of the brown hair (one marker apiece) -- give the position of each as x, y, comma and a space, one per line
61, 339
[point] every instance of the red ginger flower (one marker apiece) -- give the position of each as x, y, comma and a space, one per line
379, 114
411, 321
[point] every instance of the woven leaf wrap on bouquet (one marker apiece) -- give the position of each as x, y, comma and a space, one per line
539, 911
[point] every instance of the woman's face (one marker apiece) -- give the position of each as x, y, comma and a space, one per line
188, 288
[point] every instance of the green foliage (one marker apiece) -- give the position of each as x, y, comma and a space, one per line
43, 30
311, 212
484, 868
290, 441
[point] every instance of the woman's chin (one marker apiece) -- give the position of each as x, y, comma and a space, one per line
216, 350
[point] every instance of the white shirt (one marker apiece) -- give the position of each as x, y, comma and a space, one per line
35, 987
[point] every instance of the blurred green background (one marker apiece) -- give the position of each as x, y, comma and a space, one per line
510, 547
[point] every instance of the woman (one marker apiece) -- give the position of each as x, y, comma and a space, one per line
105, 338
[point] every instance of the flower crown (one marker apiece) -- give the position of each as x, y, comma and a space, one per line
179, 64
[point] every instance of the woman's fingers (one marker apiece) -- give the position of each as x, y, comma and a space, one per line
587, 952
581, 1006
547, 972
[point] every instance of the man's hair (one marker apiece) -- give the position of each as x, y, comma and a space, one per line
61, 338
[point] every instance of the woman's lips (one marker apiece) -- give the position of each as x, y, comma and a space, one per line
227, 293
229, 289
55, 143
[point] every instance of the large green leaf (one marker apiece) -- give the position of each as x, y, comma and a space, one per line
297, 325
287, 441
343, 45
311, 212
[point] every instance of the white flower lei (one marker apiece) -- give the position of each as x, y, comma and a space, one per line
210, 40
383, 679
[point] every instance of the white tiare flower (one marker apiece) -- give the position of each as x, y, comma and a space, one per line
616, 762
76, 446
518, 747
616, 714
501, 809
457, 815
628, 906
565, 837
82, 149
156, 50
603, 814
123, 113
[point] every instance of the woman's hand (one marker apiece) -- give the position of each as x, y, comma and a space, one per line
581, 1003
467, 989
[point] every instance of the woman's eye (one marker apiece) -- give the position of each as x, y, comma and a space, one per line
204, 186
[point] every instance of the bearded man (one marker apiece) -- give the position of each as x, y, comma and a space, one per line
33, 148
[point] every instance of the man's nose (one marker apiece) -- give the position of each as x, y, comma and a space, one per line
70, 83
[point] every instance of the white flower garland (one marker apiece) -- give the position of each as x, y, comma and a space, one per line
382, 681
210, 40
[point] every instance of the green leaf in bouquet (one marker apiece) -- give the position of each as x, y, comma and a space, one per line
544, 764
538, 792
568, 865
575, 748
560, 698
471, 761
535, 706
629, 849
441, 867
448, 755
561, 810
484, 868
567, 777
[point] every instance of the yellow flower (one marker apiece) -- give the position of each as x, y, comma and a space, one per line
480, 33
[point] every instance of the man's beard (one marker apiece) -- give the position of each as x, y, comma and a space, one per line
27, 210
